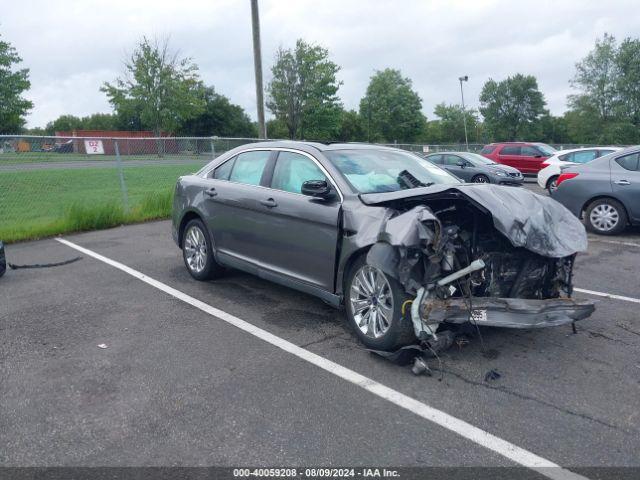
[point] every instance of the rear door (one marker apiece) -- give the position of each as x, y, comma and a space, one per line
625, 182
510, 155
302, 235
234, 214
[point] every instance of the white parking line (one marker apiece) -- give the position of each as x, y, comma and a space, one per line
512, 452
614, 242
607, 295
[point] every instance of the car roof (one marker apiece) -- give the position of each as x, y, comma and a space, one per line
323, 147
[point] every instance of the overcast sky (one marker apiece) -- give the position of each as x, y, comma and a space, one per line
72, 46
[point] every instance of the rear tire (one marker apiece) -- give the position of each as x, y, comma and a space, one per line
552, 184
480, 179
605, 216
197, 252
390, 334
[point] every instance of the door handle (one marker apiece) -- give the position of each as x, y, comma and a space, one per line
269, 202
622, 182
211, 192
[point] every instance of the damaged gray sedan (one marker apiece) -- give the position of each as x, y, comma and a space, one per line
409, 251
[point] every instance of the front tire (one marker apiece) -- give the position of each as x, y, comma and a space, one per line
480, 179
605, 216
197, 252
374, 303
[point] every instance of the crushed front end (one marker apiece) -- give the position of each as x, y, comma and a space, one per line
484, 255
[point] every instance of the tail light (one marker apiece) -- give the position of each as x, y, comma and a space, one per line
544, 164
565, 176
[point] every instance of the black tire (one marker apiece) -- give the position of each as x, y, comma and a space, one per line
400, 331
480, 179
211, 268
605, 204
551, 184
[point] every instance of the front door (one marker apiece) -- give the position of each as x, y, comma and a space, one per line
454, 164
302, 235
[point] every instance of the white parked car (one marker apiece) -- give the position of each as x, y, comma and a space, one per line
551, 166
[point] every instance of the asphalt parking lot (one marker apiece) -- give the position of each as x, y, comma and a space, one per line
178, 386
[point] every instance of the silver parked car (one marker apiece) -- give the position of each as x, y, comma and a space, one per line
409, 250
475, 168
605, 192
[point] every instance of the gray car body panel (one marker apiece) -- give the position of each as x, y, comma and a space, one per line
306, 233
596, 179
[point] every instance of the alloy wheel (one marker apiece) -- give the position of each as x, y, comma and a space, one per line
195, 246
371, 301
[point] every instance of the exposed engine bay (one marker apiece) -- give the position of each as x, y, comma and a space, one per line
466, 260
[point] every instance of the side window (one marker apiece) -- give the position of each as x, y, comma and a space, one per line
437, 159
528, 151
223, 171
510, 150
248, 167
292, 170
629, 162
584, 157
452, 160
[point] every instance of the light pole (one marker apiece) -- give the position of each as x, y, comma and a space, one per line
257, 64
464, 112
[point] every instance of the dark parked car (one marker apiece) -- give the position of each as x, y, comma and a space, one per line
405, 246
471, 167
526, 157
605, 193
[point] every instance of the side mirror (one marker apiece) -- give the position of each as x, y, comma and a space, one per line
461, 164
316, 188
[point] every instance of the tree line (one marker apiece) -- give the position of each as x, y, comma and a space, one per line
162, 92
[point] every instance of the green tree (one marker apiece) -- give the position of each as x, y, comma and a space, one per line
627, 82
64, 123
512, 108
451, 123
391, 110
277, 129
160, 88
13, 83
303, 92
100, 121
595, 78
351, 127
220, 117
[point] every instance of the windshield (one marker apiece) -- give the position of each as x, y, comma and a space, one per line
546, 149
477, 160
377, 171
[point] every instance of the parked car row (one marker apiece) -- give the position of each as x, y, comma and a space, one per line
600, 185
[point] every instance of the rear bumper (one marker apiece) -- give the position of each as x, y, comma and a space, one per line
508, 312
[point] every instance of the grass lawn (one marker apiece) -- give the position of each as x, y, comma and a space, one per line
35, 204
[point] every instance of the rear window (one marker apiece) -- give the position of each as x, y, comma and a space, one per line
488, 149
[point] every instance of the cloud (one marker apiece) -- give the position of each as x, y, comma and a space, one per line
83, 44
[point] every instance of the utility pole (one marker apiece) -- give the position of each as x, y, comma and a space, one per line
464, 111
257, 63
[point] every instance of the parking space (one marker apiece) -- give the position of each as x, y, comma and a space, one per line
178, 386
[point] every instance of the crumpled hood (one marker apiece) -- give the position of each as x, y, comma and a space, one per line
535, 222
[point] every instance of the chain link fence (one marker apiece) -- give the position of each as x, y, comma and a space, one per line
51, 185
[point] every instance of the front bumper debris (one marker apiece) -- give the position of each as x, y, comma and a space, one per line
506, 312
